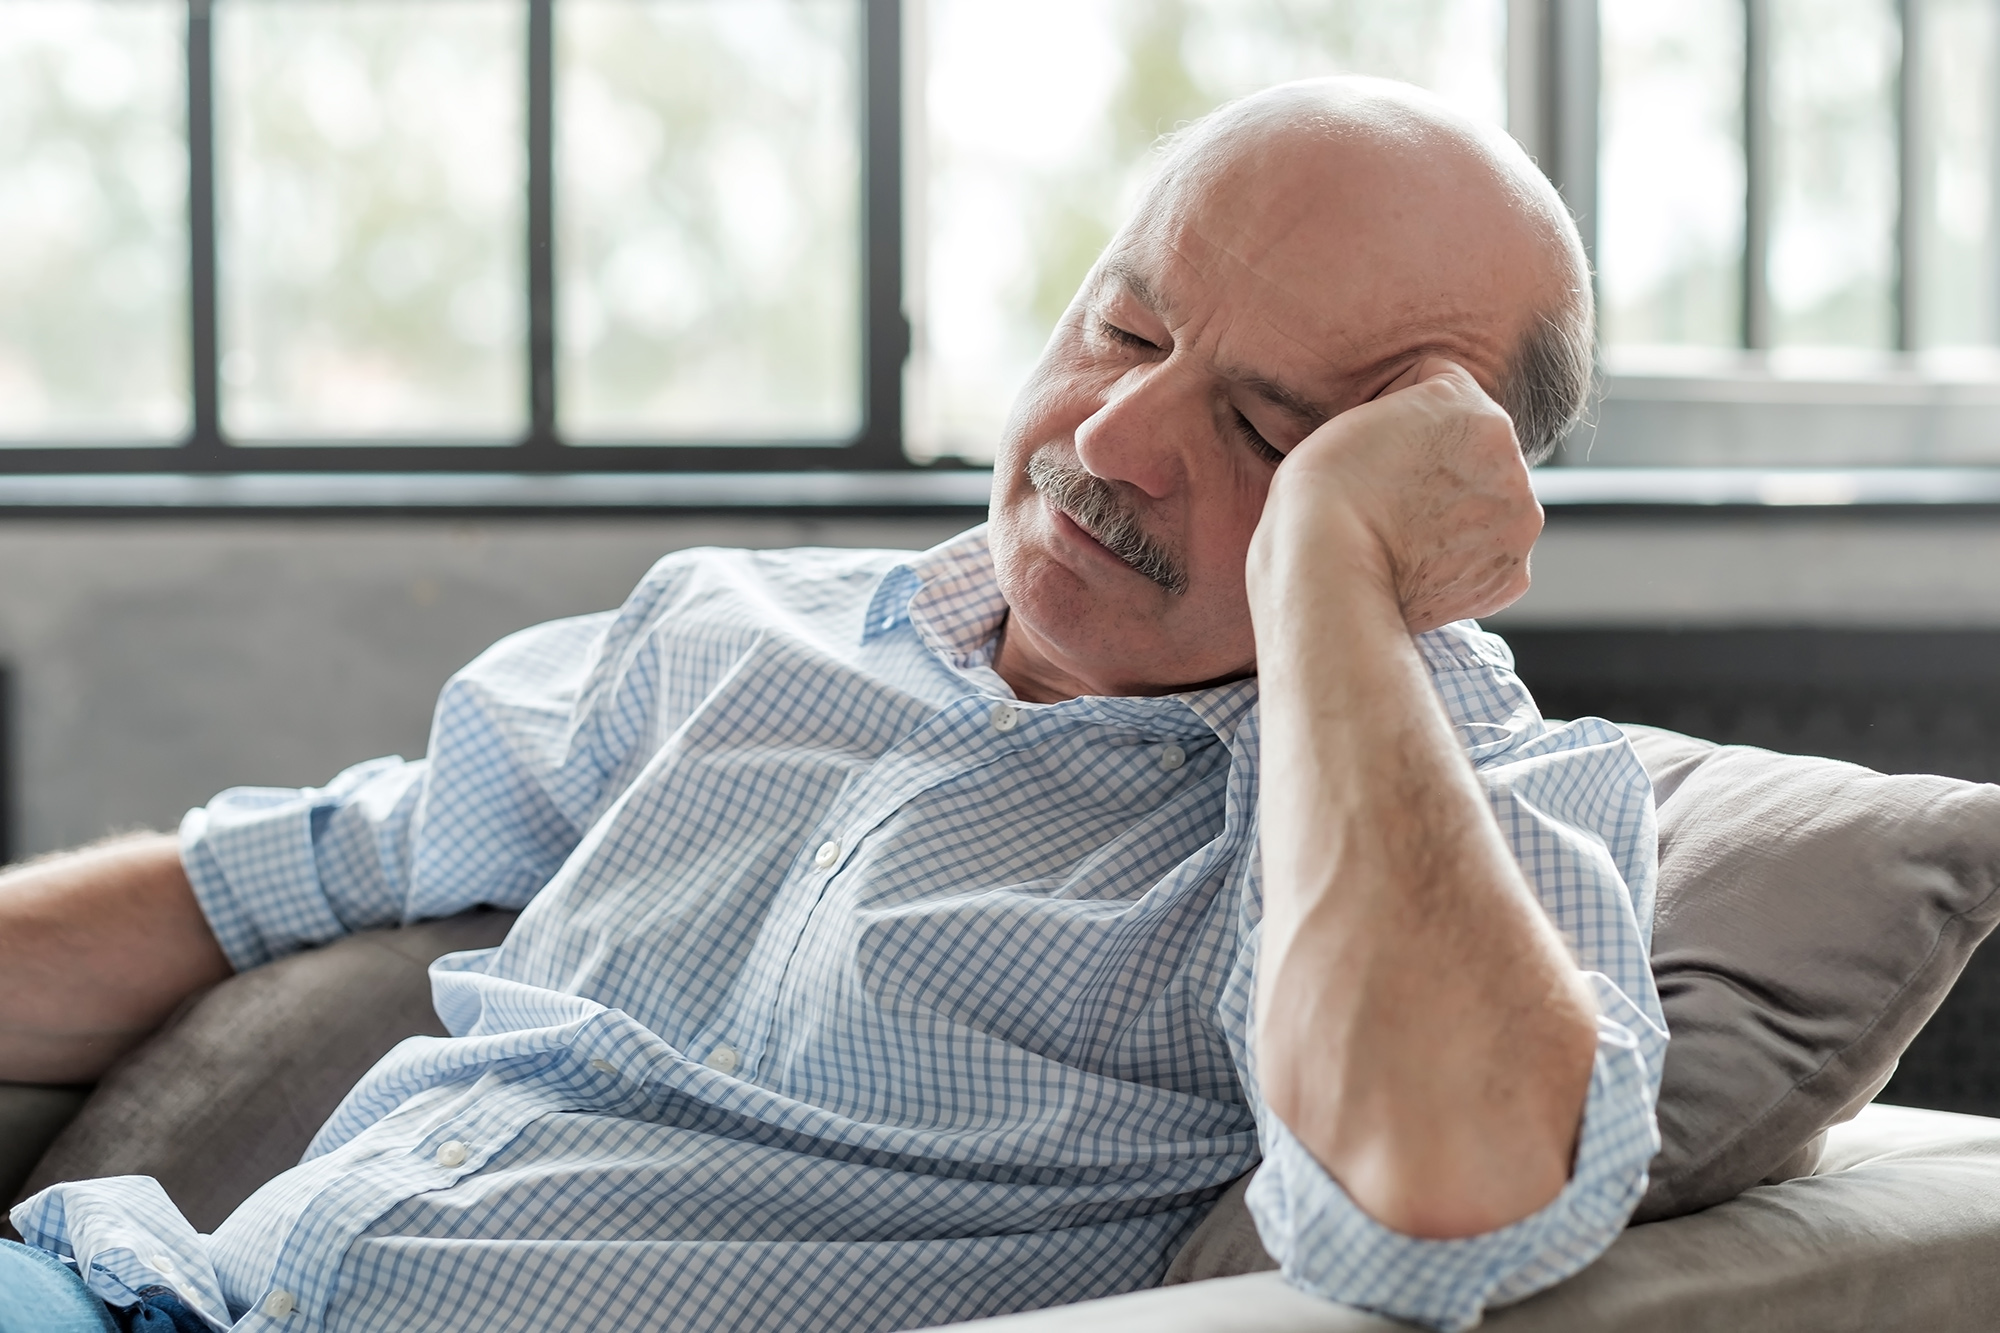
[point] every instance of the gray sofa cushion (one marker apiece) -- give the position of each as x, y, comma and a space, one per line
1812, 915
232, 1090
30, 1117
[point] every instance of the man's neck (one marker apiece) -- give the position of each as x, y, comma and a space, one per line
1031, 670
1027, 667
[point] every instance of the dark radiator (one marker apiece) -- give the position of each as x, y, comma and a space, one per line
1899, 702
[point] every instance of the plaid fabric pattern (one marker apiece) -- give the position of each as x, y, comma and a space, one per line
851, 992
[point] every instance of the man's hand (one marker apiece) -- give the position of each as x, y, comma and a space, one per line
1422, 490
1421, 1027
97, 947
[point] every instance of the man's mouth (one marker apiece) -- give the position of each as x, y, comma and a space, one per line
1094, 505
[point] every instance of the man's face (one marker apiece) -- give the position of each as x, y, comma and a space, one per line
1240, 310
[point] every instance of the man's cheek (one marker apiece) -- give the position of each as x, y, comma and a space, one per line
1223, 519
1059, 397
1038, 406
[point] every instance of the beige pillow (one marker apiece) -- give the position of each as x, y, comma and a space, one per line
1811, 917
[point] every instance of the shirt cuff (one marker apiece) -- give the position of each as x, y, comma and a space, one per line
249, 856
124, 1235
1330, 1247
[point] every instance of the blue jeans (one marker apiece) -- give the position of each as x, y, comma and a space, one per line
40, 1294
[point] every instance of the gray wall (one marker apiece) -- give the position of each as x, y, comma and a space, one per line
157, 661
1786, 568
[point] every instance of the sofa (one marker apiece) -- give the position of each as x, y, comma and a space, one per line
1812, 915
1897, 1228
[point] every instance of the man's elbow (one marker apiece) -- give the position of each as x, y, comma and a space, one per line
1448, 1161
1433, 1194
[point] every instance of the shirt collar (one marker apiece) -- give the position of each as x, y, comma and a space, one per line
950, 597
952, 600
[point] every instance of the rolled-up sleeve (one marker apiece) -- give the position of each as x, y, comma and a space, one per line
486, 818
1329, 1246
1576, 808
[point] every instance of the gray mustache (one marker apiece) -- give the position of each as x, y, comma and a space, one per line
1099, 510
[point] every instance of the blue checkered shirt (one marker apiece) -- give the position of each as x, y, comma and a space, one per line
851, 992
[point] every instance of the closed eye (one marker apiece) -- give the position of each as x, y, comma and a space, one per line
1267, 451
1124, 337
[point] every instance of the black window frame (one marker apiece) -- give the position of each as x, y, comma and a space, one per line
206, 448
1552, 78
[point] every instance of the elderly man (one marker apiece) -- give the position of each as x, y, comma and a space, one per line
914, 937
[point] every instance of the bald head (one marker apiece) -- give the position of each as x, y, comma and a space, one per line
1412, 175
1299, 252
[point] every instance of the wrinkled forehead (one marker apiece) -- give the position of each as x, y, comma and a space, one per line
1352, 247
1327, 292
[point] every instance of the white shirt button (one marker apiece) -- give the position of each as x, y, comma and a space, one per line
452, 1152
1172, 757
280, 1303
828, 853
604, 1066
1004, 717
723, 1059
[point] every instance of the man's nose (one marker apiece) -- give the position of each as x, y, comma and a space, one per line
1138, 435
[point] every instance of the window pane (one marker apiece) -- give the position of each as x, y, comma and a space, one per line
709, 215
1959, 291
93, 238
1033, 129
1670, 226
371, 168
1833, 208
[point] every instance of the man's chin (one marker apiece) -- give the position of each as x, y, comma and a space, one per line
1076, 605
1038, 583
1041, 561
1050, 568
1102, 632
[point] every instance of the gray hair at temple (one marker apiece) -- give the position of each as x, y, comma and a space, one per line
1550, 381
1551, 376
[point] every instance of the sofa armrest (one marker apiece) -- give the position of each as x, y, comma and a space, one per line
1896, 1230
1253, 1303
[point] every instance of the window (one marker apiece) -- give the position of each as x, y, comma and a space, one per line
1795, 230
369, 188
616, 235
709, 220
93, 222
449, 235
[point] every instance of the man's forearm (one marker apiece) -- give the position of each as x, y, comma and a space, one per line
1422, 1029
97, 947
